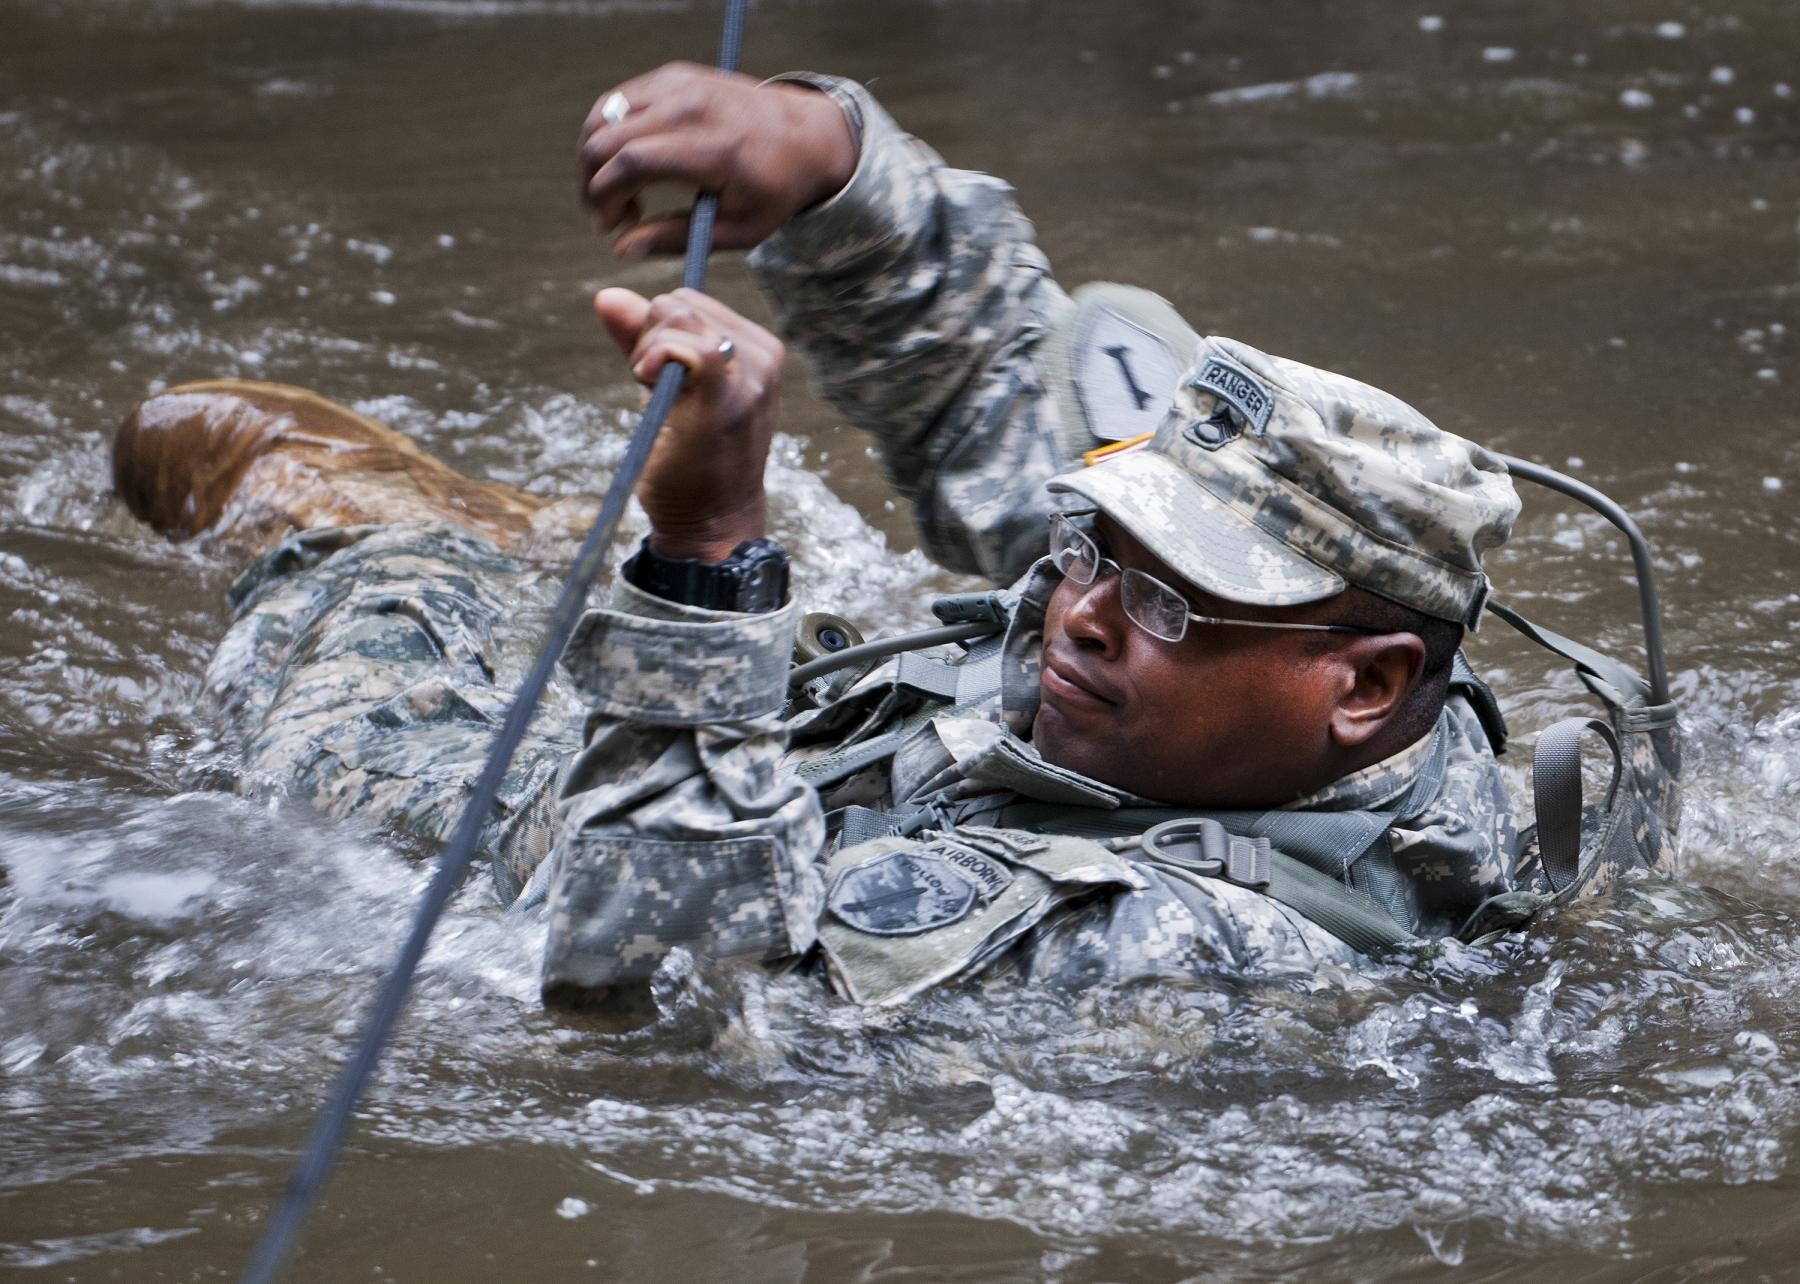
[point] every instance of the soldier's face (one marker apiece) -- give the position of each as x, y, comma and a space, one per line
1227, 717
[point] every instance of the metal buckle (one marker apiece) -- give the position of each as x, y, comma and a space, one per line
1204, 846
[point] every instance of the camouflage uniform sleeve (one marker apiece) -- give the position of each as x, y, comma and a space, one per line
678, 827
918, 298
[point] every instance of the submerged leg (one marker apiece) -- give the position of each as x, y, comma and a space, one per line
368, 672
377, 630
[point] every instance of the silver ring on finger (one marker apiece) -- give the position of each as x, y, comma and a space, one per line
615, 109
727, 349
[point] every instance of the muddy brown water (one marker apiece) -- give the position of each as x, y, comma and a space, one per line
1568, 230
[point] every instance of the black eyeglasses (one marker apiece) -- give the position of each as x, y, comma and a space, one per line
1150, 604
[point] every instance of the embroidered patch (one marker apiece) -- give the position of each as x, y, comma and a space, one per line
901, 893
1018, 842
1239, 389
1125, 376
1214, 432
989, 875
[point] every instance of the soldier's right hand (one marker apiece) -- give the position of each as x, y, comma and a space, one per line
702, 487
769, 151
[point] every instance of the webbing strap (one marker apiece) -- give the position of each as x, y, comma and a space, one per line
1480, 696
926, 675
1329, 841
1556, 795
978, 676
949, 686
1341, 910
858, 824
1335, 906
961, 682
1613, 682
841, 764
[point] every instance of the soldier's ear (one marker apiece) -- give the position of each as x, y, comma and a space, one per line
1376, 677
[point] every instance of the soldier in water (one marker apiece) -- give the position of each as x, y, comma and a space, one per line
1221, 724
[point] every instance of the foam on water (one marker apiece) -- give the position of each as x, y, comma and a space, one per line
182, 971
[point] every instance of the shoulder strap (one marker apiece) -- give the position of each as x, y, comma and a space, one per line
1335, 906
1615, 683
1464, 680
840, 764
1556, 795
946, 685
1329, 841
1341, 910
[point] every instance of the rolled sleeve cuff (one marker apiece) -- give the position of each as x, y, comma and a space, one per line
644, 659
863, 216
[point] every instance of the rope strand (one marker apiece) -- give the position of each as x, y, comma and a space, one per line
315, 1165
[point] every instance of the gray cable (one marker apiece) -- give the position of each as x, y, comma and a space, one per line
310, 1174
881, 648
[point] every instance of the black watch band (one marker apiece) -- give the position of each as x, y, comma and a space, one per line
754, 579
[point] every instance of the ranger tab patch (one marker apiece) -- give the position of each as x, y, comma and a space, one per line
1241, 391
902, 893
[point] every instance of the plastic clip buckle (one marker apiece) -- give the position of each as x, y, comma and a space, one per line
971, 608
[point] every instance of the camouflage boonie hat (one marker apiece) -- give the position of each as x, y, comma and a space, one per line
1272, 483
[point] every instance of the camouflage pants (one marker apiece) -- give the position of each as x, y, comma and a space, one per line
368, 671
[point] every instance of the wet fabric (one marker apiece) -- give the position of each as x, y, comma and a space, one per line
360, 676
683, 815
708, 836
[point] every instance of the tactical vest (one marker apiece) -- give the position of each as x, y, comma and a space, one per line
1022, 859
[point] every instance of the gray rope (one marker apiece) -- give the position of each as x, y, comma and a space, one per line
310, 1174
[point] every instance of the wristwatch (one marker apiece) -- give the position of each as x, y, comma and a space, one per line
754, 579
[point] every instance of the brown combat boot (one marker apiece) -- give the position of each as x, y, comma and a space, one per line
240, 464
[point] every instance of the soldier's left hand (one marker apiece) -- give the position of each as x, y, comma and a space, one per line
703, 485
768, 150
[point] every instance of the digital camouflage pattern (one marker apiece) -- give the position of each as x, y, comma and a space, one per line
917, 296
360, 676
1270, 482
696, 808
707, 837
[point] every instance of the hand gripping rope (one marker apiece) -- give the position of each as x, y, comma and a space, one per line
315, 1164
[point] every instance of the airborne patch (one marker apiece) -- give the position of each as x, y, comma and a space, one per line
902, 893
990, 876
1241, 391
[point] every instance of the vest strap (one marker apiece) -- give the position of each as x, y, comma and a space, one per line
1299, 884
1556, 795
1616, 684
1480, 696
843, 763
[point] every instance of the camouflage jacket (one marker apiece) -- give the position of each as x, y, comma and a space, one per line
697, 814
673, 798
